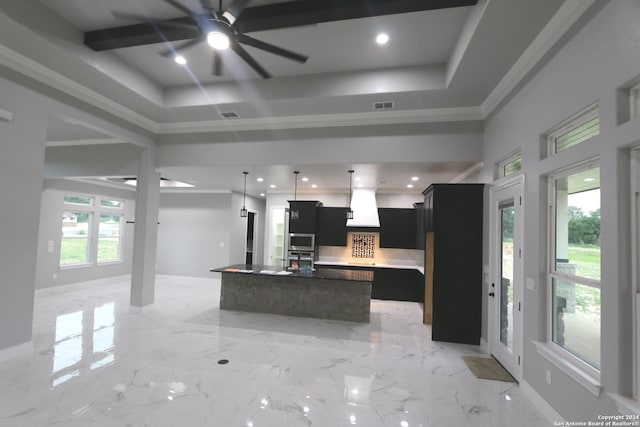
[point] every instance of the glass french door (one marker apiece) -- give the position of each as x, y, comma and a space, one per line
505, 292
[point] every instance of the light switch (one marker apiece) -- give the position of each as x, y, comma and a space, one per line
531, 284
50, 246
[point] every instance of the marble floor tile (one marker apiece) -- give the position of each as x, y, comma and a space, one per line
97, 362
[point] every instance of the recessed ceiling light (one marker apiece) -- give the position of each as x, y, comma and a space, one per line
415, 178
180, 59
261, 194
409, 185
359, 185
382, 38
272, 186
260, 179
357, 178
314, 186
589, 179
305, 179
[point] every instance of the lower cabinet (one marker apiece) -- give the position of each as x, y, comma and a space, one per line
393, 284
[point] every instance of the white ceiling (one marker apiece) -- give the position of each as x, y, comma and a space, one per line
438, 65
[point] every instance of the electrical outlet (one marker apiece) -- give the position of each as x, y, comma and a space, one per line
55, 276
548, 377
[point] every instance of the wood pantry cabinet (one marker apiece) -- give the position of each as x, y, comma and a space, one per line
453, 262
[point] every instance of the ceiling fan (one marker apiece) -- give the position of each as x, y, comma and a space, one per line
216, 27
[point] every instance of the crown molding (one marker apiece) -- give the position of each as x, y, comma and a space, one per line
39, 72
73, 142
558, 25
327, 120
467, 172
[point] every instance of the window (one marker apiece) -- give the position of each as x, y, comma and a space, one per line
74, 247
109, 203
574, 276
583, 126
634, 98
78, 200
109, 237
510, 165
78, 245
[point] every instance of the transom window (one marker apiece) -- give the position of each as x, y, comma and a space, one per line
585, 125
510, 165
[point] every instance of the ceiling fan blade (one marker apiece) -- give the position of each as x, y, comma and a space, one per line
183, 8
249, 60
235, 10
242, 38
217, 64
182, 46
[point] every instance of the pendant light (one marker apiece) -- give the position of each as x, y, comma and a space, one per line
243, 211
294, 213
349, 210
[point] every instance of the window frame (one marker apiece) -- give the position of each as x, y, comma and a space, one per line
634, 101
517, 155
573, 122
95, 210
575, 367
73, 208
120, 257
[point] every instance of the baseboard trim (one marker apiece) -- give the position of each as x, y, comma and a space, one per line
484, 345
544, 407
15, 351
80, 285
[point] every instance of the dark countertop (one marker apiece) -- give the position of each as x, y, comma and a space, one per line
319, 273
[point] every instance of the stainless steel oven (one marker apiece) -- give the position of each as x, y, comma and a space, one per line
302, 242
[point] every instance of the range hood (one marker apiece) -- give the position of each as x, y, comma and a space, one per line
365, 209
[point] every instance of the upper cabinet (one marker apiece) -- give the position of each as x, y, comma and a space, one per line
331, 227
303, 216
397, 228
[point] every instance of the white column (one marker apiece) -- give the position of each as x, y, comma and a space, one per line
145, 237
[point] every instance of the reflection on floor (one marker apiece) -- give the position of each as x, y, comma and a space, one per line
97, 363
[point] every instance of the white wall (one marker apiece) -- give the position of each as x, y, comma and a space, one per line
602, 57
21, 161
194, 234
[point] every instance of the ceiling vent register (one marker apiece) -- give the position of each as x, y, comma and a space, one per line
383, 105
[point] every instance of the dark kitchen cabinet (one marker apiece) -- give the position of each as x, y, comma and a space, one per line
420, 225
303, 216
331, 228
393, 284
397, 228
453, 262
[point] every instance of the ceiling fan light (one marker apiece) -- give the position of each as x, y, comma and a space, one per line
180, 60
218, 40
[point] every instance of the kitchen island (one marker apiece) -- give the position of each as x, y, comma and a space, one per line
324, 293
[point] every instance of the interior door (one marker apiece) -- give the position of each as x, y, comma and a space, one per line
506, 289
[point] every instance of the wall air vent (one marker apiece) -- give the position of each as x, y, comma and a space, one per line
229, 114
383, 105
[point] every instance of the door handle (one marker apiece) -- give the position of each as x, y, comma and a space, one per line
492, 294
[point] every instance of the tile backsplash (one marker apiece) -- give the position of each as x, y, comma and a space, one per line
364, 248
